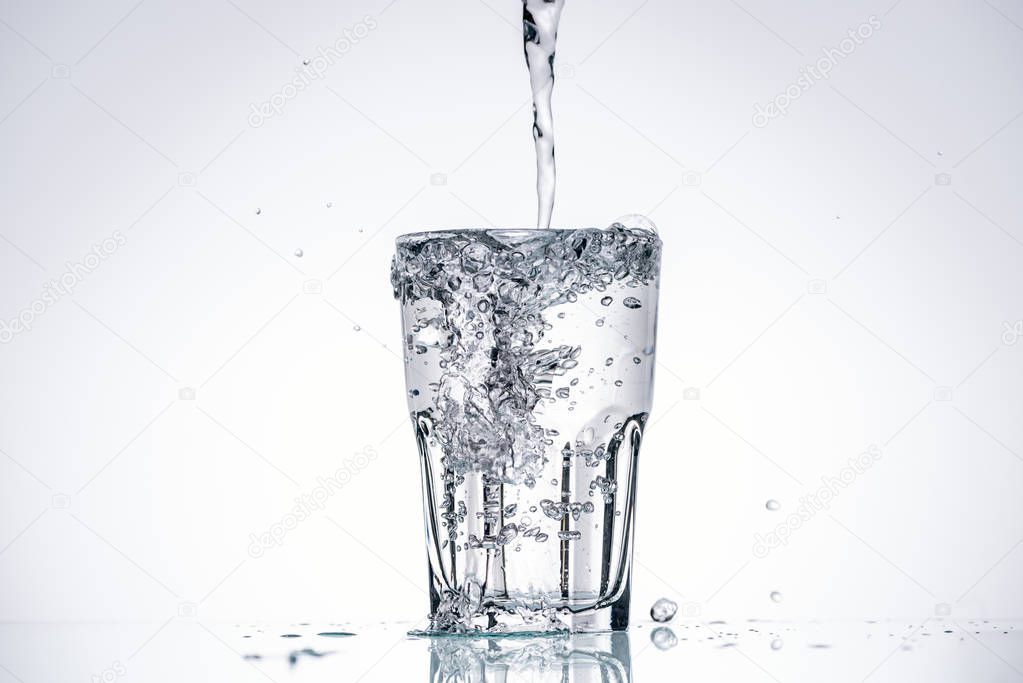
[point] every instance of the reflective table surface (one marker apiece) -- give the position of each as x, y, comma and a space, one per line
189, 649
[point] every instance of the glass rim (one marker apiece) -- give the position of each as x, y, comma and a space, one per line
441, 233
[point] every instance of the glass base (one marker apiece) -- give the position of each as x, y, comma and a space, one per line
523, 617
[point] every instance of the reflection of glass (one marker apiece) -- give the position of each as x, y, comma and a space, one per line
529, 362
581, 658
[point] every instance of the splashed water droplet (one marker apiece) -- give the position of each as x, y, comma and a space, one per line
635, 221
663, 610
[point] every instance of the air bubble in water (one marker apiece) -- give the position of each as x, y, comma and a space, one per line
773, 505
330, 204
777, 644
357, 328
507, 534
663, 610
663, 638
632, 302
299, 253
606, 301
259, 211
305, 62
776, 596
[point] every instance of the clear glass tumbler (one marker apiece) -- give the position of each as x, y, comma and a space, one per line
529, 365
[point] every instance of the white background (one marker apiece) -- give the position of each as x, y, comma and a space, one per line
823, 291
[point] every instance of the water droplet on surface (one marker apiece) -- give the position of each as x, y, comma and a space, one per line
772, 505
663, 638
305, 62
606, 301
632, 302
776, 596
563, 392
663, 610
600, 322
299, 253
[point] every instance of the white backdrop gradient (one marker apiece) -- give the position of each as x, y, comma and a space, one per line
848, 276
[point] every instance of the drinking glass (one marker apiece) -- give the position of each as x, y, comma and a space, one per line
529, 366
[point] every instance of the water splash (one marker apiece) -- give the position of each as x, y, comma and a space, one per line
540, 20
